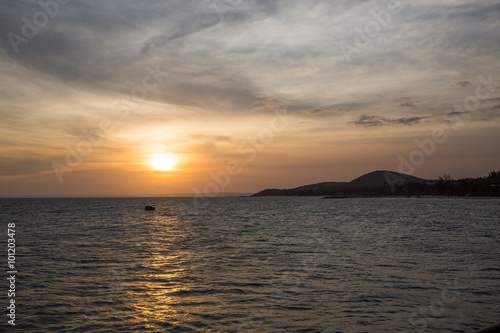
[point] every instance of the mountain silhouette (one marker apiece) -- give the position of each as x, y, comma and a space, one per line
381, 177
378, 182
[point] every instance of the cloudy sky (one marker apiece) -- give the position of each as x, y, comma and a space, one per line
243, 94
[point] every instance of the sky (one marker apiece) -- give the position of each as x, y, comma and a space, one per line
243, 95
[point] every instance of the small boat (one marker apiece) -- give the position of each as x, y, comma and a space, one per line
149, 208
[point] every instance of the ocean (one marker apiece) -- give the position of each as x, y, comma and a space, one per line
253, 264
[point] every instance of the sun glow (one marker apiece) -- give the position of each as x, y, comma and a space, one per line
163, 162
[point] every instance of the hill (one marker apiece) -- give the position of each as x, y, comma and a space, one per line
382, 177
383, 182
373, 183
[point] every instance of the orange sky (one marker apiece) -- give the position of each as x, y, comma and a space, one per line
244, 96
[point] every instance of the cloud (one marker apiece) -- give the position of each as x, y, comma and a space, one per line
408, 104
238, 52
462, 84
321, 111
98, 47
407, 120
369, 120
457, 113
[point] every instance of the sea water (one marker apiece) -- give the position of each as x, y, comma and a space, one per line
254, 264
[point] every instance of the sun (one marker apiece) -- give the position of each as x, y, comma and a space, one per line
163, 162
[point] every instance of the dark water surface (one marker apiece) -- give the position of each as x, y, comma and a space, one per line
254, 265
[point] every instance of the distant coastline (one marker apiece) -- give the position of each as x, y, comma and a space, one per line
384, 183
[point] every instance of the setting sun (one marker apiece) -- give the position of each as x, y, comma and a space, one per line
163, 162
